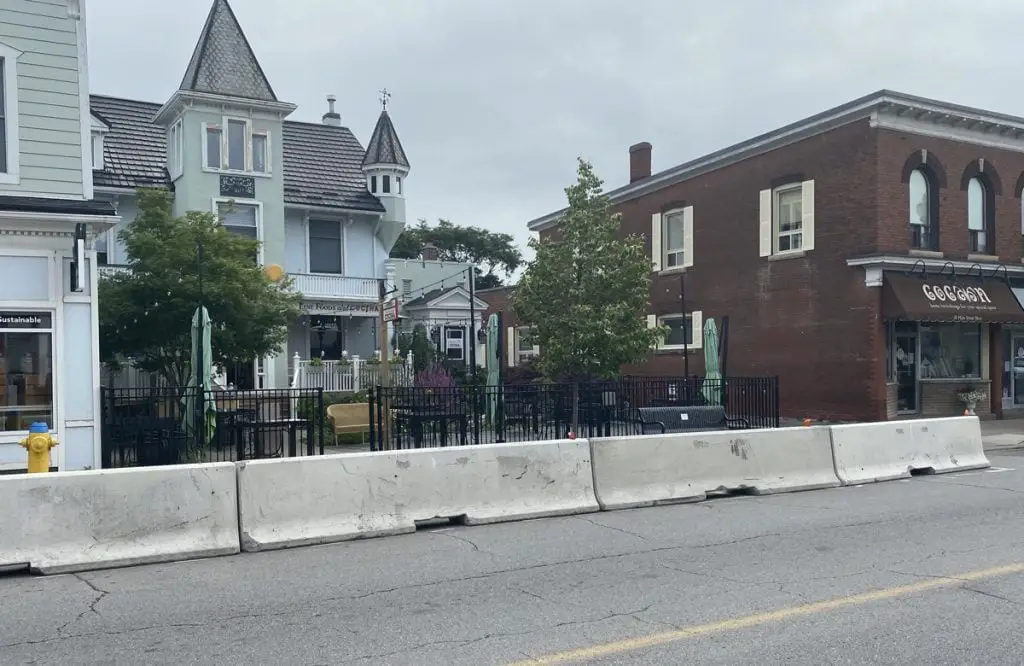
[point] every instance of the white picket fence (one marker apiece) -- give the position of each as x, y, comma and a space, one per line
353, 374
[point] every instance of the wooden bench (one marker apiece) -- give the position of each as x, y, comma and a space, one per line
349, 417
687, 418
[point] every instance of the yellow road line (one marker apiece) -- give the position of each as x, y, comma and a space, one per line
652, 640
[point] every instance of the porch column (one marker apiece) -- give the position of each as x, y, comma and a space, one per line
995, 368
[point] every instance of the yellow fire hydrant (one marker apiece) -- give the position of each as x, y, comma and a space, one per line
39, 442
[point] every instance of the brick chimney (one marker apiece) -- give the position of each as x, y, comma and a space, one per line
429, 252
639, 161
332, 117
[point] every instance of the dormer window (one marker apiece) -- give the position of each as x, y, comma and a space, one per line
235, 146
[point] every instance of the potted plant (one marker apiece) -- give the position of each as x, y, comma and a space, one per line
971, 396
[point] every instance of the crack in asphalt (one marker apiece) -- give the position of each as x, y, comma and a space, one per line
459, 538
465, 642
101, 594
968, 588
610, 527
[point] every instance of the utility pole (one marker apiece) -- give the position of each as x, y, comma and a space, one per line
472, 322
687, 332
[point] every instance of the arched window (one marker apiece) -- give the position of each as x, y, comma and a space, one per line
977, 216
922, 231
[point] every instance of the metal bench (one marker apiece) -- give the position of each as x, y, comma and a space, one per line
687, 418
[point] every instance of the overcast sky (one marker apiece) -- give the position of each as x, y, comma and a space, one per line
494, 99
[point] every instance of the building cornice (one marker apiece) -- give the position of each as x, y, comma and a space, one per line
182, 99
884, 109
875, 267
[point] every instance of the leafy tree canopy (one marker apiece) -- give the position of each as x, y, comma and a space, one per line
585, 294
146, 312
490, 251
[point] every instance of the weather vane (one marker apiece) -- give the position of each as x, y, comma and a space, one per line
384, 97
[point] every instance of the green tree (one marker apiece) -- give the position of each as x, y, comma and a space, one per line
494, 254
585, 294
146, 313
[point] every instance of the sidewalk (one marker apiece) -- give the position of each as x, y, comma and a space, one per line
1008, 434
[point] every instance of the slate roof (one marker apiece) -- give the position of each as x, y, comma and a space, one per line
322, 168
385, 148
223, 62
321, 162
134, 150
429, 296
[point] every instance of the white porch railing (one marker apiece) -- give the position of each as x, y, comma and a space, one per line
336, 286
353, 374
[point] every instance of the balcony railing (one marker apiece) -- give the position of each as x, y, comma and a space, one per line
313, 286
336, 286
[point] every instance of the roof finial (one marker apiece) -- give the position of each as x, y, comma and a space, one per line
385, 96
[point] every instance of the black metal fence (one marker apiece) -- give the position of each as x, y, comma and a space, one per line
417, 417
155, 426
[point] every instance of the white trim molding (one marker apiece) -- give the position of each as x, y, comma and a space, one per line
77, 11
875, 267
9, 58
217, 201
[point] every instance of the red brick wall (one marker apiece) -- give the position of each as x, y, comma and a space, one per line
810, 319
1006, 167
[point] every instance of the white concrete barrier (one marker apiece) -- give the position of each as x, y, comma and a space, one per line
658, 469
869, 452
72, 521
302, 501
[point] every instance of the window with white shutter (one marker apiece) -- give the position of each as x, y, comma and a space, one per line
786, 220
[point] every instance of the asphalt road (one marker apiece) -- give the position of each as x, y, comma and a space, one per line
924, 571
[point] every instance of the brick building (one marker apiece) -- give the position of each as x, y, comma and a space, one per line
868, 255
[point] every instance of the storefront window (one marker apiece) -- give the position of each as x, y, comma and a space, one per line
950, 351
26, 369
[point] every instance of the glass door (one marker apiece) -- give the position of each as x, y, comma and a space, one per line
1017, 367
906, 367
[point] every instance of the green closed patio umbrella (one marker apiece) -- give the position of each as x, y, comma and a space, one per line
198, 402
493, 362
712, 374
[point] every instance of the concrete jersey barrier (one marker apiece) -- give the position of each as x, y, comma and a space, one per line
302, 501
869, 452
73, 521
657, 469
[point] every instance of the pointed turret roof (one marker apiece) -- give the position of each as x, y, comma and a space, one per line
223, 63
384, 147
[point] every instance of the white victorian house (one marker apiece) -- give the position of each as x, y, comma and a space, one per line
324, 208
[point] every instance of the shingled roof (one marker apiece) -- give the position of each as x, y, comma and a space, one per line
385, 148
322, 163
223, 62
134, 150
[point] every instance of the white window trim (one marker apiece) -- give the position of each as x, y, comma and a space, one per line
461, 346
10, 59
524, 353
777, 233
659, 252
343, 241
175, 149
249, 132
244, 202
696, 329
769, 215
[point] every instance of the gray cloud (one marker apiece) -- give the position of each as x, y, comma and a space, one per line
494, 99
